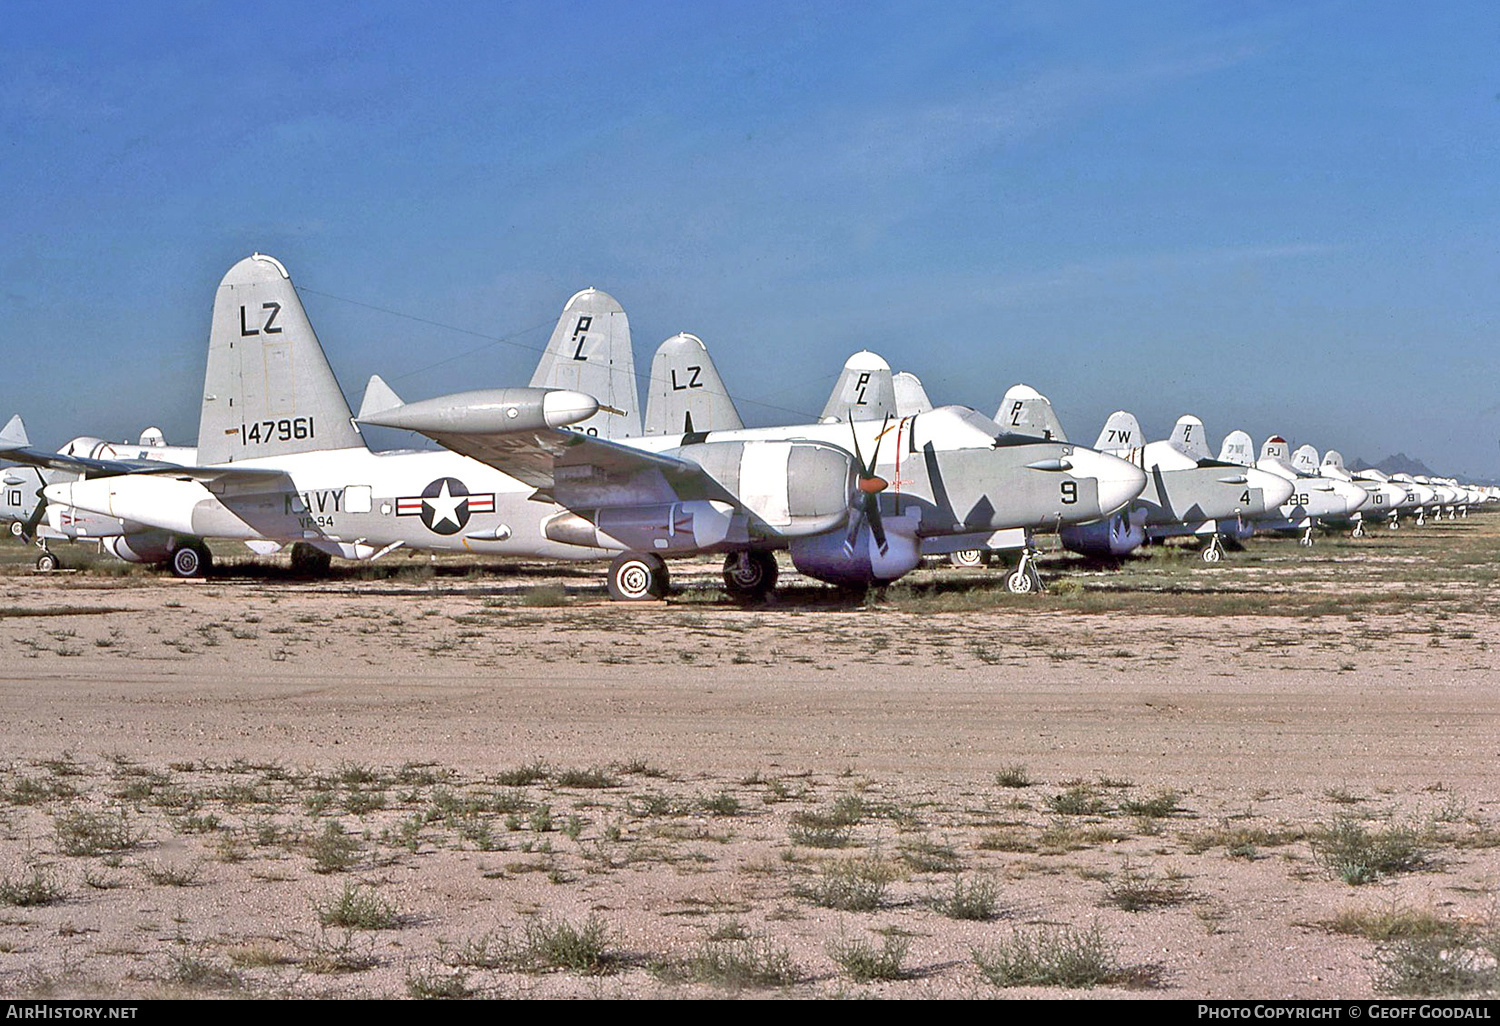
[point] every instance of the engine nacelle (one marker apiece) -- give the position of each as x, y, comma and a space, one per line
144, 547
792, 488
1113, 536
835, 558
664, 528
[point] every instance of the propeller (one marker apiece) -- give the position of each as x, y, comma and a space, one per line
870, 485
28, 530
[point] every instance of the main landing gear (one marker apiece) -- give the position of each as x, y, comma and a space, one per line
750, 574
191, 559
1359, 529
638, 577
1025, 579
308, 561
47, 562
1307, 538
968, 559
1213, 552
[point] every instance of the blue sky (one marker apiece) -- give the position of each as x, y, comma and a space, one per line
1281, 217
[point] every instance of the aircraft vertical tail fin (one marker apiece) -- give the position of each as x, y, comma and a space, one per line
1025, 411
1121, 433
911, 397
685, 393
1188, 437
1334, 459
590, 352
1276, 448
269, 390
1237, 448
865, 390
1305, 459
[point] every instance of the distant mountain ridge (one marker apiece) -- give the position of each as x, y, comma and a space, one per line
1397, 464
1404, 464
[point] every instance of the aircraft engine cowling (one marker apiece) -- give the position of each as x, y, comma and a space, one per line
792, 488
1113, 536
144, 547
857, 561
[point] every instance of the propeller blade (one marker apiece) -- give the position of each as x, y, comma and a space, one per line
28, 530
872, 514
871, 485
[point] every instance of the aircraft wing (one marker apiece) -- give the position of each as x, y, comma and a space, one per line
543, 459
16, 446
520, 432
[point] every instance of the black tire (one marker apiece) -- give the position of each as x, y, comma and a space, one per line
48, 562
308, 561
968, 558
750, 575
191, 560
637, 577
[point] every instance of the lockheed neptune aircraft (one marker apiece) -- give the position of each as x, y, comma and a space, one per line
852, 499
281, 461
1187, 492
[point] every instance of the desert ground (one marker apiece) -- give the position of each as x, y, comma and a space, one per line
1272, 778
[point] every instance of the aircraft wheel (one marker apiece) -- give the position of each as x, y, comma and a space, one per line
750, 575
308, 561
17, 529
1307, 541
1020, 583
191, 560
636, 577
1212, 554
48, 562
1395, 526
968, 558
1358, 532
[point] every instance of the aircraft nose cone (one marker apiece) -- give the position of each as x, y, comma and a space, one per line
1353, 495
1119, 481
561, 406
1275, 489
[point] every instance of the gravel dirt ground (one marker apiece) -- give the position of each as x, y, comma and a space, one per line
1277, 778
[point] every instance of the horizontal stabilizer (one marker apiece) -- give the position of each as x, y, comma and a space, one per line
14, 435
379, 397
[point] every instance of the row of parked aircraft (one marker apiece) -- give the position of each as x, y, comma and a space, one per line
567, 468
